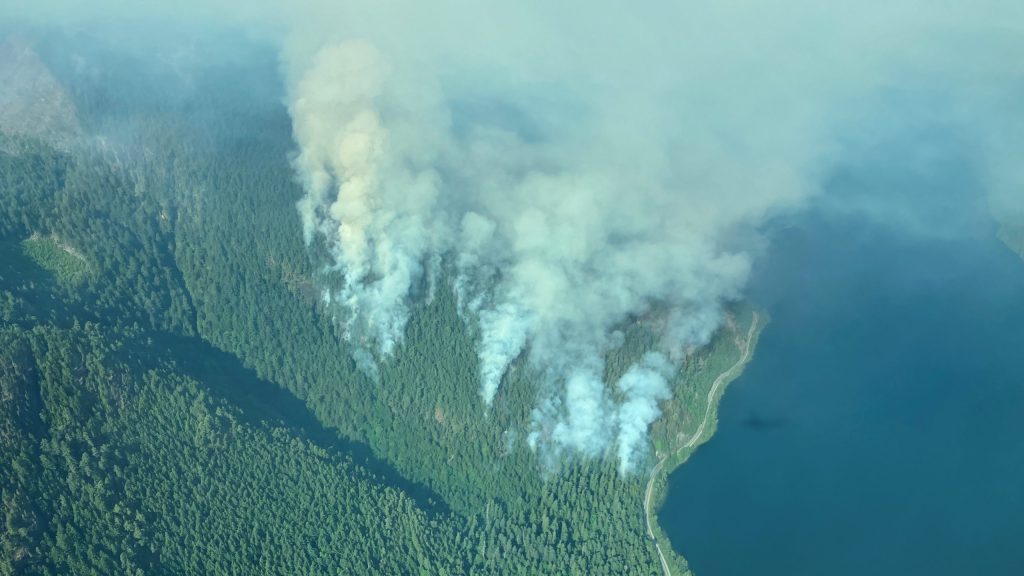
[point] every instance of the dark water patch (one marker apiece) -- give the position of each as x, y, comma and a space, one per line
893, 368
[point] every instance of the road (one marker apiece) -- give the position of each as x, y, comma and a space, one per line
722, 378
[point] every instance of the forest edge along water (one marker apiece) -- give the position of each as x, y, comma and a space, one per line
743, 344
892, 365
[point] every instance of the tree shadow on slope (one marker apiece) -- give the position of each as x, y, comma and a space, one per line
262, 402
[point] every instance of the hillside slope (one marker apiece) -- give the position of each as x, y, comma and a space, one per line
167, 272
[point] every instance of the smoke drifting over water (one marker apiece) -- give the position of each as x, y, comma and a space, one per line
576, 166
585, 170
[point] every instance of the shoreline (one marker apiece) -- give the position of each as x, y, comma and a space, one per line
671, 561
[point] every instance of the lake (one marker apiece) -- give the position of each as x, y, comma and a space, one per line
880, 427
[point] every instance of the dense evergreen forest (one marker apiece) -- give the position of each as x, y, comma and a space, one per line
174, 400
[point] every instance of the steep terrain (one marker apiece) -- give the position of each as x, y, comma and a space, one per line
180, 402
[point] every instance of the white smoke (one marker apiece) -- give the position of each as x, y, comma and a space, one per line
583, 164
642, 386
581, 177
371, 186
505, 330
551, 253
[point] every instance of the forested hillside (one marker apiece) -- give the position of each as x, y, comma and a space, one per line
122, 463
175, 399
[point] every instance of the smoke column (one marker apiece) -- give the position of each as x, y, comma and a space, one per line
572, 166
581, 171
371, 186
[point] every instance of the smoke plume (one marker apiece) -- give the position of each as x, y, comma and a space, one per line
568, 167
371, 183
581, 168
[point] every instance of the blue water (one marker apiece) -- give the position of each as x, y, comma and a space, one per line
880, 427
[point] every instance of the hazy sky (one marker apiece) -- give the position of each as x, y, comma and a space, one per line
581, 163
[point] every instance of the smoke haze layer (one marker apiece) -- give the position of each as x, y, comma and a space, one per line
588, 168
568, 168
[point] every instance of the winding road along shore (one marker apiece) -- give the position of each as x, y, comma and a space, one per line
729, 374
